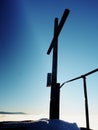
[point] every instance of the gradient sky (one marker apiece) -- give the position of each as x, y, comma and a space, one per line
26, 30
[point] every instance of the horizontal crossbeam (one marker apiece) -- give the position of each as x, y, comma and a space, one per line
63, 19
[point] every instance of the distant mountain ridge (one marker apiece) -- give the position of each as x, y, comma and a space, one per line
3, 112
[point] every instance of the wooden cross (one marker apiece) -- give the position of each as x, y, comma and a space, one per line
55, 87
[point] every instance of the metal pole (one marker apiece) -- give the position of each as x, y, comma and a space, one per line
54, 101
86, 104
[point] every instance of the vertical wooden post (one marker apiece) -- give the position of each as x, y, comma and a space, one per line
55, 87
54, 101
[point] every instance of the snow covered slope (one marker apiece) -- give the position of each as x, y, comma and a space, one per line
43, 124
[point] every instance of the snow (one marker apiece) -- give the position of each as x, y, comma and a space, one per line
43, 124
57, 125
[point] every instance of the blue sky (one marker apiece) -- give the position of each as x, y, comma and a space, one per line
26, 30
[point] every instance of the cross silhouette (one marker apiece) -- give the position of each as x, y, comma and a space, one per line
55, 87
